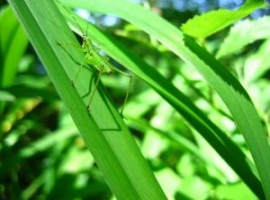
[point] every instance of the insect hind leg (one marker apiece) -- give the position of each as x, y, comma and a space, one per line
94, 90
77, 74
128, 89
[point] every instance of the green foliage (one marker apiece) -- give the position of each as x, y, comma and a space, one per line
11, 53
191, 139
238, 37
213, 21
104, 131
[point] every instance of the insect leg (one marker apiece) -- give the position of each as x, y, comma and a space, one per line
126, 97
77, 73
95, 89
128, 90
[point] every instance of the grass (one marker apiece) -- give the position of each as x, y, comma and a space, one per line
103, 130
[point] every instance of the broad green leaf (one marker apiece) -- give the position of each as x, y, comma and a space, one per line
238, 37
211, 22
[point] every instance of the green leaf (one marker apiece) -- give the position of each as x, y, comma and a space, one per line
104, 131
257, 64
238, 37
11, 52
211, 22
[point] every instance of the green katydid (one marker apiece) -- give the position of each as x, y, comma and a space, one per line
101, 63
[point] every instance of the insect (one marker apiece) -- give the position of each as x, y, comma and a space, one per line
101, 63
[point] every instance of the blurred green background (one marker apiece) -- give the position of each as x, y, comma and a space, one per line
42, 155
